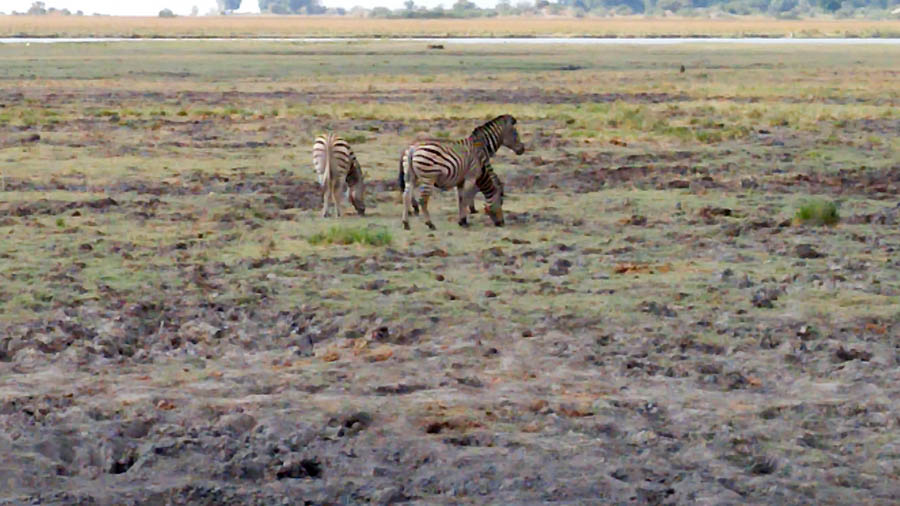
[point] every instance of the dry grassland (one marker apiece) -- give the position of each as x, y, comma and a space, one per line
293, 26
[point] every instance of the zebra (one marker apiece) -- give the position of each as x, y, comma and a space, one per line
463, 164
336, 165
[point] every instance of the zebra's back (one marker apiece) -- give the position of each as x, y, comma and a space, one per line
443, 163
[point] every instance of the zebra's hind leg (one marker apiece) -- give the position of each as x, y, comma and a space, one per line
336, 196
424, 205
325, 197
466, 200
407, 203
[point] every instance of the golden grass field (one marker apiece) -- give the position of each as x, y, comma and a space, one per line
297, 26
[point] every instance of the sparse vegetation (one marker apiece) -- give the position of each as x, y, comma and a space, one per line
647, 327
340, 234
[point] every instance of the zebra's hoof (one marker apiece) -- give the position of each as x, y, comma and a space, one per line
472, 210
405, 225
431, 225
500, 224
464, 223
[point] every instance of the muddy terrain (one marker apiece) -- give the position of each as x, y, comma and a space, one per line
654, 325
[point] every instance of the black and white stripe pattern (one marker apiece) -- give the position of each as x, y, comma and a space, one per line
462, 164
336, 166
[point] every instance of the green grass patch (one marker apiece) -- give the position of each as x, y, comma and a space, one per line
817, 212
352, 235
355, 139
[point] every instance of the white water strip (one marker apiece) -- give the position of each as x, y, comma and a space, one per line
486, 40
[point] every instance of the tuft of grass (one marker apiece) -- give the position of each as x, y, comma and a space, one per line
353, 139
817, 212
350, 235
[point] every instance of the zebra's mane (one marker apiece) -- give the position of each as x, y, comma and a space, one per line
482, 133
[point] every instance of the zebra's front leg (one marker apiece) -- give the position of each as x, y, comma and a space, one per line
466, 200
459, 199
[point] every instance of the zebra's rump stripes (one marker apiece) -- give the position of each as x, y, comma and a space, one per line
337, 166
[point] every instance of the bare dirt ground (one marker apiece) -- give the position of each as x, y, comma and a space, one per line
650, 328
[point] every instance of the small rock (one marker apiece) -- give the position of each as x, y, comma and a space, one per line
807, 251
643, 438
657, 309
197, 331
490, 293
764, 297
377, 284
845, 355
237, 424
560, 267
637, 220
763, 465
379, 334
807, 332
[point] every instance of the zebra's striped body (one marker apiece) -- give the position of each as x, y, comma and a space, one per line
462, 164
336, 165
493, 175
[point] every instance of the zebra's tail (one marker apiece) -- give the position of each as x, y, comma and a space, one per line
401, 183
328, 175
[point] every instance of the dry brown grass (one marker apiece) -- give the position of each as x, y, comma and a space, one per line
295, 26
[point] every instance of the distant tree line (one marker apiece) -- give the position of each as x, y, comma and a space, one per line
574, 8
579, 8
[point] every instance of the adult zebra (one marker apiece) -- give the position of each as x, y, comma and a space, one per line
463, 164
336, 165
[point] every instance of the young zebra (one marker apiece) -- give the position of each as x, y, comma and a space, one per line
463, 164
336, 165
472, 210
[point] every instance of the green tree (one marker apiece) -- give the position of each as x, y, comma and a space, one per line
228, 5
291, 6
37, 9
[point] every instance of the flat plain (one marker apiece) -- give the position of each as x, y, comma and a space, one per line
355, 27
653, 325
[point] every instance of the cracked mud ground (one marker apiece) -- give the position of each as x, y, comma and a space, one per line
651, 326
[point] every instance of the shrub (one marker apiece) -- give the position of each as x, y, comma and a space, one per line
350, 235
166, 13
817, 212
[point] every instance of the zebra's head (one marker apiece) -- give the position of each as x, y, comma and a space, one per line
495, 211
500, 131
356, 188
509, 136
